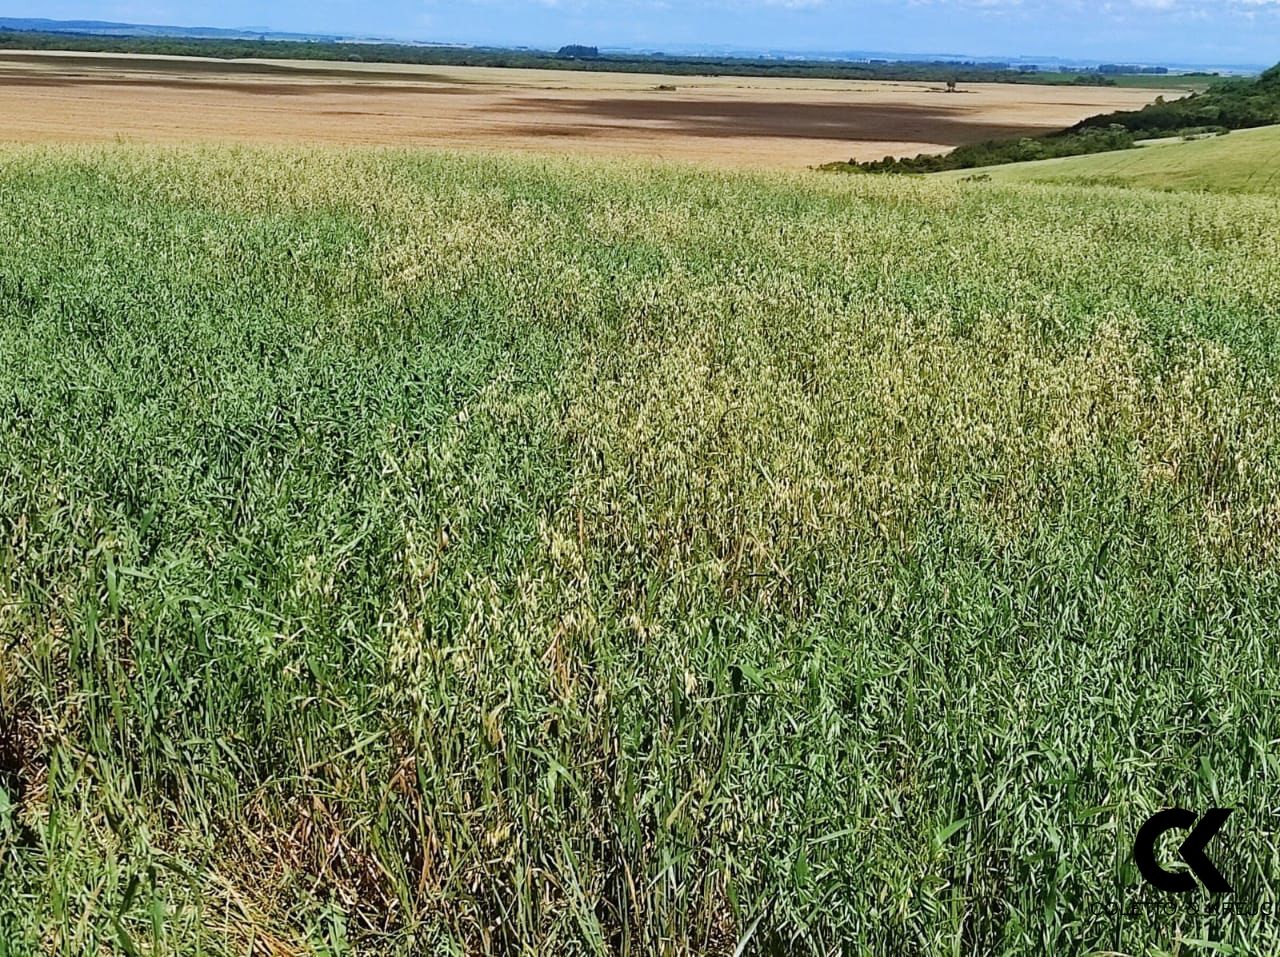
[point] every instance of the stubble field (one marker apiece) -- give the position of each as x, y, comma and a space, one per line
721, 121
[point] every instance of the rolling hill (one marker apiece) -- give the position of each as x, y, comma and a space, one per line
1247, 161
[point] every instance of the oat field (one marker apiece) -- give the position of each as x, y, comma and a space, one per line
426, 554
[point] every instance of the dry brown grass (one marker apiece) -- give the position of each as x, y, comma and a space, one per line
727, 121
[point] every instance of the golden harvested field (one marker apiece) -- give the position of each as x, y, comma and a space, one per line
727, 121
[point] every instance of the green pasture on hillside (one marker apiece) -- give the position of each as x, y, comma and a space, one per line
1246, 161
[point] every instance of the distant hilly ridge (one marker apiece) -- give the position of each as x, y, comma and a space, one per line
108, 28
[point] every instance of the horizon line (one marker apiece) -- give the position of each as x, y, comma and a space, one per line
730, 50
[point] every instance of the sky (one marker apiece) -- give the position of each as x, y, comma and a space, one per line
1217, 32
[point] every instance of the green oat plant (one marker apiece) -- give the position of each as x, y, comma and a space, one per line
407, 553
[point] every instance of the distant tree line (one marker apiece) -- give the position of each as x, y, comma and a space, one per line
997, 152
1235, 104
578, 52
1227, 105
1127, 69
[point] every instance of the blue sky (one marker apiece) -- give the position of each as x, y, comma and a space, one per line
1199, 31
